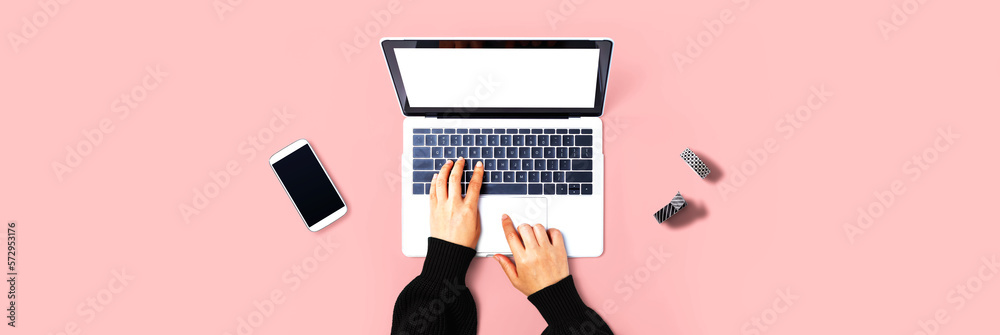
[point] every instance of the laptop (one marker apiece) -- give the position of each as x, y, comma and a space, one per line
528, 109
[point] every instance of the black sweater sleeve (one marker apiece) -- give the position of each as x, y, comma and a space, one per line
565, 312
437, 301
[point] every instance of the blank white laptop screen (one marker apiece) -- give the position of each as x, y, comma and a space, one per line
499, 77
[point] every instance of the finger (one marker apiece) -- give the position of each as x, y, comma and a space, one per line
541, 235
527, 235
442, 181
507, 266
557, 238
434, 198
472, 195
455, 180
513, 238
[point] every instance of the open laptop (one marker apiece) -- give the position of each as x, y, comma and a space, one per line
529, 109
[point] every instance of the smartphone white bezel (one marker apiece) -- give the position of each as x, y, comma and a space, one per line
285, 152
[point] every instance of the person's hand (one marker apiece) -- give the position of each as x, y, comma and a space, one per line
540, 256
453, 218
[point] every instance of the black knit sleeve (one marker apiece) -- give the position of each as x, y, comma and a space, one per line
437, 301
564, 311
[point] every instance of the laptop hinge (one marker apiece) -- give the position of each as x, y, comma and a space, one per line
502, 116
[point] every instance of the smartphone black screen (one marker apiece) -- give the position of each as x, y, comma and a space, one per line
307, 184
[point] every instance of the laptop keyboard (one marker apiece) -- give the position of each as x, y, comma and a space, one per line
516, 161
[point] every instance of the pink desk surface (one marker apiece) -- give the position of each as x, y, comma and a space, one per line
771, 244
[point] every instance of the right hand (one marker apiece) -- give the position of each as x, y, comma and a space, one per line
453, 218
539, 253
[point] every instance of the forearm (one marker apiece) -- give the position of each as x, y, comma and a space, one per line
437, 301
564, 311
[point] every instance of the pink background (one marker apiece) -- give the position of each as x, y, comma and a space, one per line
730, 252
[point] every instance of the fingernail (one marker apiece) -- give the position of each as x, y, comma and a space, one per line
460, 158
448, 162
435, 176
479, 164
505, 217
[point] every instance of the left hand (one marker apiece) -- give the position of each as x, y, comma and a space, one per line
453, 218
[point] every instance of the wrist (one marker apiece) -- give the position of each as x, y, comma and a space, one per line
456, 240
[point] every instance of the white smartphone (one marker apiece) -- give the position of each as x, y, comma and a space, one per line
308, 185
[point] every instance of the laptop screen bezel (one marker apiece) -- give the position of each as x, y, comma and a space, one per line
389, 45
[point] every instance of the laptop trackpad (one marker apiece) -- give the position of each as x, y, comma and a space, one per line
529, 210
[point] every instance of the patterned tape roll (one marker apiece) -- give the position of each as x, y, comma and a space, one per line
670, 209
695, 163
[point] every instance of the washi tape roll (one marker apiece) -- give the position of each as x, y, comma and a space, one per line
695, 163
675, 205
